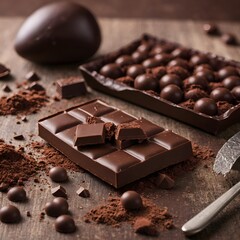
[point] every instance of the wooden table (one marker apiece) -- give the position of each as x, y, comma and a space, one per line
193, 191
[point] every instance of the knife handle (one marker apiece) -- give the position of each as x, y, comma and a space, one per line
202, 219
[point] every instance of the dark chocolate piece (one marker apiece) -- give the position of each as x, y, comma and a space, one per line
144, 226
65, 224
17, 194
6, 88
83, 192
36, 87
106, 161
195, 69
58, 174
129, 131
19, 137
71, 87
59, 191
4, 71
211, 29
131, 200
164, 181
90, 134
229, 39
10, 214
59, 32
57, 207
32, 77
4, 187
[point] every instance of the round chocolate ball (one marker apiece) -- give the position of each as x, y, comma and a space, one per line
210, 29
131, 200
172, 93
138, 57
111, 70
170, 79
181, 53
196, 80
10, 214
207, 74
144, 47
227, 72
58, 174
229, 38
135, 70
195, 94
202, 67
163, 58
124, 60
57, 207
151, 63
159, 71
207, 106
181, 72
65, 224
236, 93
17, 194
231, 82
199, 59
59, 32
179, 62
221, 94
146, 82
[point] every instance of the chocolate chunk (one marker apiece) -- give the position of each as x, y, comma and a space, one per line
135, 70
36, 87
19, 137
129, 131
57, 207
131, 200
112, 70
124, 60
10, 214
58, 174
71, 87
4, 71
146, 82
24, 119
207, 106
17, 194
211, 29
110, 129
144, 226
229, 39
83, 192
170, 79
231, 82
32, 77
59, 32
164, 181
172, 93
221, 94
6, 88
65, 224
90, 134
59, 191
4, 187
236, 93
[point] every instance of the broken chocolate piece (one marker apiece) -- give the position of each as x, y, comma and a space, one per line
164, 181
59, 191
36, 87
32, 77
19, 137
6, 88
83, 192
4, 71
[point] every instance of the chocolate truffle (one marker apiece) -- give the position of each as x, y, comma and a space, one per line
58, 174
163, 58
231, 82
196, 80
227, 72
181, 72
124, 60
181, 53
151, 62
195, 94
202, 67
207, 106
145, 47
170, 79
236, 93
65, 224
138, 57
59, 32
111, 70
57, 207
10, 214
229, 39
221, 94
179, 62
131, 200
211, 29
199, 59
207, 74
135, 70
172, 93
146, 82
17, 194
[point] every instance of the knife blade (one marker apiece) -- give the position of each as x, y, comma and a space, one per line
227, 157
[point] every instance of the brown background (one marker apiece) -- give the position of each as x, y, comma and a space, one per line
167, 9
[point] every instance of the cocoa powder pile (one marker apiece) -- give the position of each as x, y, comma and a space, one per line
23, 102
15, 166
112, 213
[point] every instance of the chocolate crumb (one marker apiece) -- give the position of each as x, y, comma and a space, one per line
6, 88
28, 214
144, 226
4, 71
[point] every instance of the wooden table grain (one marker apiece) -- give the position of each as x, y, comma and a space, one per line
194, 190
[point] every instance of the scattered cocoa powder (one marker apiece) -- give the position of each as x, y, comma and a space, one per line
112, 213
23, 102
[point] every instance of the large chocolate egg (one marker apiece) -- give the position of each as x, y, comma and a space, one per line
59, 33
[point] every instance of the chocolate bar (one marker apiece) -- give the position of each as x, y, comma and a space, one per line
115, 166
198, 88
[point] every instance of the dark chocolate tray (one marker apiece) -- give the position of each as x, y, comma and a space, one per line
211, 124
